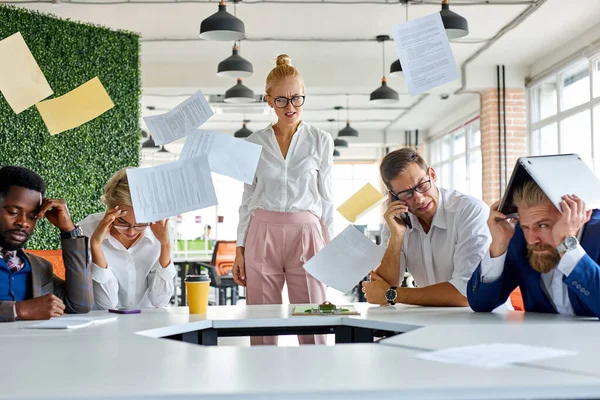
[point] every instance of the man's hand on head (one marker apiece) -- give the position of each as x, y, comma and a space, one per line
56, 211
574, 216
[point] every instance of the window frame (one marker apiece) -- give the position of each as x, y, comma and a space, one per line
469, 127
534, 128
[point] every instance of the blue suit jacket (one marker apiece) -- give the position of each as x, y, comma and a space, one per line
583, 282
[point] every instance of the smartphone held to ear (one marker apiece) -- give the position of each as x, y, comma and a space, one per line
403, 217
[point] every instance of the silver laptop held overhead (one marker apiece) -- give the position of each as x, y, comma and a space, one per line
556, 175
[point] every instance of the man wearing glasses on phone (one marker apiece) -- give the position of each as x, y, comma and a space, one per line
28, 288
439, 235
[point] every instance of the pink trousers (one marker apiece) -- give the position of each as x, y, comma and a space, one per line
277, 246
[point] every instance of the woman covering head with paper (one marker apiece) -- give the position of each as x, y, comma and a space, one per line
286, 215
131, 263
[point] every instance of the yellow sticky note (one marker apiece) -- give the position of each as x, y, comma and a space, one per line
361, 202
75, 108
21, 80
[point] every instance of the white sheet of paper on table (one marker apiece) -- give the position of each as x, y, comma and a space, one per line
425, 54
71, 322
493, 355
171, 189
347, 259
181, 120
227, 155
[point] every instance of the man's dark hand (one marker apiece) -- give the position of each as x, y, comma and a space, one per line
44, 307
56, 211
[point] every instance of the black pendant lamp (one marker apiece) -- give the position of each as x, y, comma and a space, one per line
162, 149
337, 142
235, 66
348, 131
222, 26
244, 132
383, 94
239, 94
144, 134
396, 69
149, 144
455, 25
336, 153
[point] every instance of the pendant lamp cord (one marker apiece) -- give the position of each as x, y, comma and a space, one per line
348, 107
383, 56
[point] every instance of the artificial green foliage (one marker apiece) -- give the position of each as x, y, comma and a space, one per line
77, 163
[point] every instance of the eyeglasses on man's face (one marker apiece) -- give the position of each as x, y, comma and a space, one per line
282, 102
408, 194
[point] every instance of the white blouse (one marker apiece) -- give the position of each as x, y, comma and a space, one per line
134, 277
299, 182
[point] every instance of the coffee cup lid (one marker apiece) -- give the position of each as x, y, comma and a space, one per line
197, 278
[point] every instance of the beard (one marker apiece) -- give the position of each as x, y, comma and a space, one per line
8, 244
542, 262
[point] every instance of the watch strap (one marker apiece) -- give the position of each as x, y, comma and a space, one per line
72, 234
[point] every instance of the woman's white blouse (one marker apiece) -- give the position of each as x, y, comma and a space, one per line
134, 277
299, 182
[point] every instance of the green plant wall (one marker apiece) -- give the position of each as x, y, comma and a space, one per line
75, 164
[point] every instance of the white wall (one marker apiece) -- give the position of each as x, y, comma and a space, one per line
585, 44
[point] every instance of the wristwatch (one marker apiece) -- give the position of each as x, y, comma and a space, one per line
569, 243
72, 234
391, 295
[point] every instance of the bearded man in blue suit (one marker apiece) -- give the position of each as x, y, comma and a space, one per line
551, 255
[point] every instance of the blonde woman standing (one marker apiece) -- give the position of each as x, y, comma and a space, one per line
131, 263
286, 215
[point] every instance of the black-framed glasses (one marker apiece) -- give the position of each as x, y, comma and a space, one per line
121, 226
282, 102
409, 193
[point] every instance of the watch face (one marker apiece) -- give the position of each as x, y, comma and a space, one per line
390, 295
570, 242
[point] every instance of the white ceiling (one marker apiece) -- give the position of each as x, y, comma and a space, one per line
175, 63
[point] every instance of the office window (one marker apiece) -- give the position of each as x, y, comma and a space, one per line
347, 179
576, 136
576, 85
545, 100
546, 140
596, 69
574, 127
456, 157
597, 140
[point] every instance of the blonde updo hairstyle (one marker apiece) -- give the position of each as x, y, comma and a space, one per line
116, 191
283, 69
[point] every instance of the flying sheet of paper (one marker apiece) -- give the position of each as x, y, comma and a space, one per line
425, 54
21, 80
181, 120
346, 260
493, 355
227, 155
171, 189
75, 108
361, 203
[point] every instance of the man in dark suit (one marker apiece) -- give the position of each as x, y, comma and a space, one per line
28, 288
551, 255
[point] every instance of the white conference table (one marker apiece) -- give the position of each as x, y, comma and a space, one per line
130, 359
